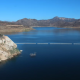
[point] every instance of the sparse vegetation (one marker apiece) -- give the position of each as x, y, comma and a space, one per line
4, 41
15, 50
1, 35
27, 29
14, 30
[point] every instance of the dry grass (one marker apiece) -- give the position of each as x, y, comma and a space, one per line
9, 30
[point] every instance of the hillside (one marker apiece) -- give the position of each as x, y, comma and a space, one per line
56, 21
25, 24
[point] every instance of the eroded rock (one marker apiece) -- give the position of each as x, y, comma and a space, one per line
8, 48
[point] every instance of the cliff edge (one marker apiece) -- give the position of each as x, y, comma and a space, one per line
8, 48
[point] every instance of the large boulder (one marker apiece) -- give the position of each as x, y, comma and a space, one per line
8, 48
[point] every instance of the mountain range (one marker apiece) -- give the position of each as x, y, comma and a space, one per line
56, 22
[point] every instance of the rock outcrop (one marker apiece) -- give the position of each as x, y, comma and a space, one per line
8, 48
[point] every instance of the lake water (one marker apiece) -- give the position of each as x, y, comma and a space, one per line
52, 61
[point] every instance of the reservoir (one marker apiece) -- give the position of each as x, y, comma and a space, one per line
57, 55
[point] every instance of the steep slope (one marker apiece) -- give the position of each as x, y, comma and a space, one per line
8, 48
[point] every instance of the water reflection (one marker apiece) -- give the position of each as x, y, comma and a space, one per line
3, 63
65, 30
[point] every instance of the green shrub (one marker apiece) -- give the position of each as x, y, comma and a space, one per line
4, 41
1, 35
15, 50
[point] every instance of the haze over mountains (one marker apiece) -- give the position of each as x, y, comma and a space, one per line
56, 22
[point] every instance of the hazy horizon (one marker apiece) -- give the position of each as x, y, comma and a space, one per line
39, 19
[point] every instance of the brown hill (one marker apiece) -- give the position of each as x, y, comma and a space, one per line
56, 21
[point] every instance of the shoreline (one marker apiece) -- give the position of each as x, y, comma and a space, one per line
11, 56
23, 29
8, 49
54, 26
14, 30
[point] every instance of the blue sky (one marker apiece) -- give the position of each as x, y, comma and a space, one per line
13, 10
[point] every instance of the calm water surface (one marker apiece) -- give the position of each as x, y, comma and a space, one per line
52, 62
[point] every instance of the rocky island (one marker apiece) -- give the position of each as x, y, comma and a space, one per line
8, 48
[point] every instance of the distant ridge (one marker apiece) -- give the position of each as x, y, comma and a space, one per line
56, 22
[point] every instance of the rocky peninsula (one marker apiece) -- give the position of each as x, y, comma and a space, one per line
8, 48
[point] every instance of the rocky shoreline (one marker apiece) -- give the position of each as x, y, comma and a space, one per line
8, 49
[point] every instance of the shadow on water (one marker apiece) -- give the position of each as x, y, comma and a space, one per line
14, 59
3, 63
